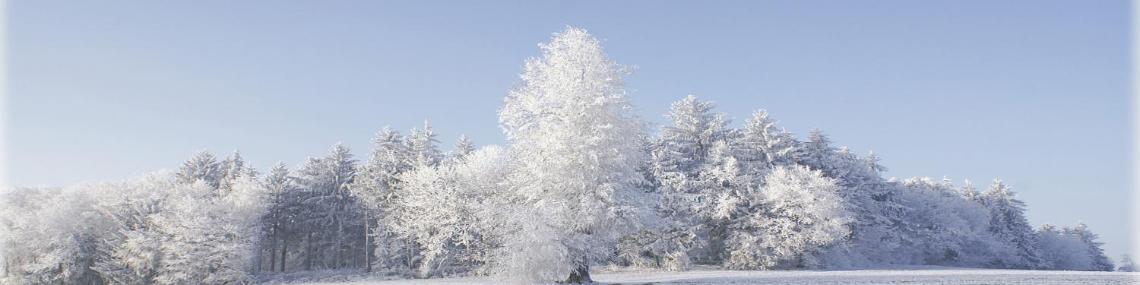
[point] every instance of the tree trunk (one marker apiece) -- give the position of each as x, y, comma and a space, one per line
273, 249
580, 275
284, 250
367, 253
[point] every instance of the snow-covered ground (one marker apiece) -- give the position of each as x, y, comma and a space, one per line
894, 276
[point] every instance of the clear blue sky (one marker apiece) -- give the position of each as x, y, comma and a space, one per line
1035, 92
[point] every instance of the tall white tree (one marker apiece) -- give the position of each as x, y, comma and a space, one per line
578, 147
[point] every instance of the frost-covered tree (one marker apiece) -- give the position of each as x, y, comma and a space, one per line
278, 219
201, 167
209, 237
49, 235
943, 228
578, 147
1099, 261
680, 164
463, 147
329, 215
232, 169
423, 147
763, 146
442, 209
1009, 225
376, 187
798, 214
1126, 264
1062, 251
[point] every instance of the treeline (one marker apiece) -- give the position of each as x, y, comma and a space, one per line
580, 184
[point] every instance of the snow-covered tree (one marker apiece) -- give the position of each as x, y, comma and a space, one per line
463, 147
943, 228
1126, 264
578, 147
232, 169
423, 147
681, 165
278, 219
1062, 251
1099, 262
376, 187
207, 237
331, 217
442, 209
763, 146
201, 167
1009, 225
797, 215
49, 235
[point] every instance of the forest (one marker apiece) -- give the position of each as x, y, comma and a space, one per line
582, 182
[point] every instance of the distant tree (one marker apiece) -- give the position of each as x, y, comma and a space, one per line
376, 187
424, 147
1062, 251
764, 146
209, 237
1009, 225
1099, 262
1126, 264
201, 167
463, 147
232, 169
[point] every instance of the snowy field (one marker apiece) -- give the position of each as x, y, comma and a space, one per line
915, 276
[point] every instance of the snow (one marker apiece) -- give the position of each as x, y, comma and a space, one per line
918, 275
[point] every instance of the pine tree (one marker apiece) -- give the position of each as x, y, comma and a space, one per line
201, 167
463, 147
279, 217
578, 148
763, 146
1126, 264
376, 188
331, 216
1009, 225
1099, 262
232, 169
423, 147
680, 164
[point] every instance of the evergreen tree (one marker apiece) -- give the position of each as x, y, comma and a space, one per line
376, 187
201, 167
1099, 262
232, 169
423, 147
1126, 264
463, 147
680, 164
1009, 225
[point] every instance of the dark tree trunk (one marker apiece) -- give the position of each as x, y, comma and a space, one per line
580, 275
367, 243
284, 250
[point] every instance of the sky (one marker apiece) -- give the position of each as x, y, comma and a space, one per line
1033, 92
